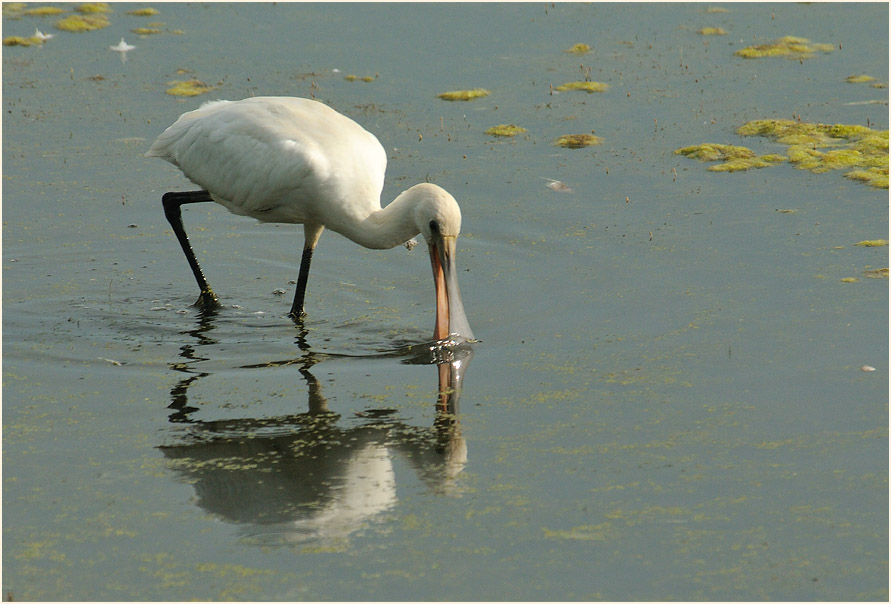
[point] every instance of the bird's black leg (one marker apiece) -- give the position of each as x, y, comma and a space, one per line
172, 202
297, 311
311, 234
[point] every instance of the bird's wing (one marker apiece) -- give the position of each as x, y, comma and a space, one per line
239, 157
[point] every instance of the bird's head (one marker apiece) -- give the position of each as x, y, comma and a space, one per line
438, 218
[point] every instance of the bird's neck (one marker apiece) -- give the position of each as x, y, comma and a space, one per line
387, 227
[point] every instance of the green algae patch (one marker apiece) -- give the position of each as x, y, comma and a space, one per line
585, 86
188, 88
146, 31
874, 177
715, 152
859, 79
93, 8
577, 141
791, 47
734, 158
44, 11
20, 41
350, 77
505, 130
872, 243
860, 151
80, 23
849, 280
715, 9
712, 31
464, 95
578, 49
144, 12
742, 164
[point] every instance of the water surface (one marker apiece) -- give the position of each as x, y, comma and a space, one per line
667, 402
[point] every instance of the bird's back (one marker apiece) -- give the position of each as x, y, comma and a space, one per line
278, 159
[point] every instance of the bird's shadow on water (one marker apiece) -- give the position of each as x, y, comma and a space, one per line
306, 476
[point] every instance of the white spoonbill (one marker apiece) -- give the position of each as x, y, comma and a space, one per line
293, 160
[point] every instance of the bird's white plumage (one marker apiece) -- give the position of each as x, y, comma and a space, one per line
275, 158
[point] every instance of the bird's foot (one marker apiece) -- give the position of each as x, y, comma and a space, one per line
207, 299
297, 316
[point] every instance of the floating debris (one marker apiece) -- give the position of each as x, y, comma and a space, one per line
577, 141
92, 8
867, 368
144, 12
80, 23
873, 243
586, 86
44, 11
464, 95
123, 48
188, 88
578, 49
787, 46
505, 130
556, 185
712, 31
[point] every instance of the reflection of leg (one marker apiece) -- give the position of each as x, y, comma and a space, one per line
311, 234
172, 203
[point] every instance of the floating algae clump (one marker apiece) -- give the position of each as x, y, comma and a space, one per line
79, 23
578, 49
145, 31
735, 158
873, 243
876, 273
91, 8
788, 46
875, 177
586, 86
815, 147
577, 141
144, 12
505, 130
859, 79
20, 41
464, 95
712, 31
44, 11
188, 88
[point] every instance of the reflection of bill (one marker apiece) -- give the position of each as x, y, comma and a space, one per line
303, 478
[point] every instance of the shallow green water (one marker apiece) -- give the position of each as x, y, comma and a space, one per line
667, 402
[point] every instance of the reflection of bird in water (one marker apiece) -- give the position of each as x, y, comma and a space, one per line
292, 160
305, 478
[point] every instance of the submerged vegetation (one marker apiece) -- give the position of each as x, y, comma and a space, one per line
464, 95
787, 46
815, 147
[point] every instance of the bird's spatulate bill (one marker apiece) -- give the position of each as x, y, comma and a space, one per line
451, 322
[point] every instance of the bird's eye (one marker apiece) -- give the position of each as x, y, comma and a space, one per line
434, 227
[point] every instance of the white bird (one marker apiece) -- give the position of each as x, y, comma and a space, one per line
42, 36
293, 160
